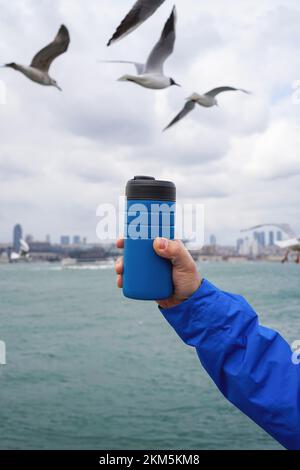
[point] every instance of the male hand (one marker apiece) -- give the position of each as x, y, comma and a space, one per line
186, 278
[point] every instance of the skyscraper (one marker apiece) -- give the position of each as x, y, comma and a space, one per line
239, 245
256, 236
271, 238
213, 240
76, 240
260, 238
17, 236
279, 236
65, 240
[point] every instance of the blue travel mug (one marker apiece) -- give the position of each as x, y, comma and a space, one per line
150, 213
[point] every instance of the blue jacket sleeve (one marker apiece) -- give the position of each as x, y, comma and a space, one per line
251, 365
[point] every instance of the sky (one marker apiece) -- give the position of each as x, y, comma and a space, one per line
63, 154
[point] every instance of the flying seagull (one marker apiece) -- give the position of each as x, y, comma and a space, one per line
207, 100
139, 67
38, 71
140, 12
151, 75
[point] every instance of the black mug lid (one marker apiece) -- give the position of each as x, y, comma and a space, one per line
147, 187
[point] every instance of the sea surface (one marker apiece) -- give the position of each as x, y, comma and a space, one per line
88, 369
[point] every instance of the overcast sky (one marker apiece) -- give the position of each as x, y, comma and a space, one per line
62, 154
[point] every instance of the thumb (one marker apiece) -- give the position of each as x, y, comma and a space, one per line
175, 251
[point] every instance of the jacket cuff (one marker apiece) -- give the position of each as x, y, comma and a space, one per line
196, 316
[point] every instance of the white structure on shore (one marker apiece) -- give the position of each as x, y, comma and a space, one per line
249, 247
22, 255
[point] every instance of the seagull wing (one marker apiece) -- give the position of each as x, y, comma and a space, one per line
293, 243
139, 67
188, 107
165, 46
139, 13
43, 59
221, 89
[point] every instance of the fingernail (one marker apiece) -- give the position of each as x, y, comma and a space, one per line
163, 243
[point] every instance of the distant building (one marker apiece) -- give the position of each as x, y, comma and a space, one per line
263, 239
244, 247
29, 239
65, 240
255, 248
260, 238
96, 253
84, 241
213, 240
256, 236
76, 240
271, 238
40, 247
239, 245
279, 236
17, 236
249, 247
48, 239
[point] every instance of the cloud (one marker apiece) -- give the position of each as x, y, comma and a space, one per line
63, 153
10, 170
275, 153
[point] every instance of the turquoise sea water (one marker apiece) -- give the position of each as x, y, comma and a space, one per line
88, 369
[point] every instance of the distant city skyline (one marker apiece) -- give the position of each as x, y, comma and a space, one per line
255, 241
263, 238
69, 249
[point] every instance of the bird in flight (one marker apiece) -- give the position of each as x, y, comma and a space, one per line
38, 71
140, 12
208, 100
151, 75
